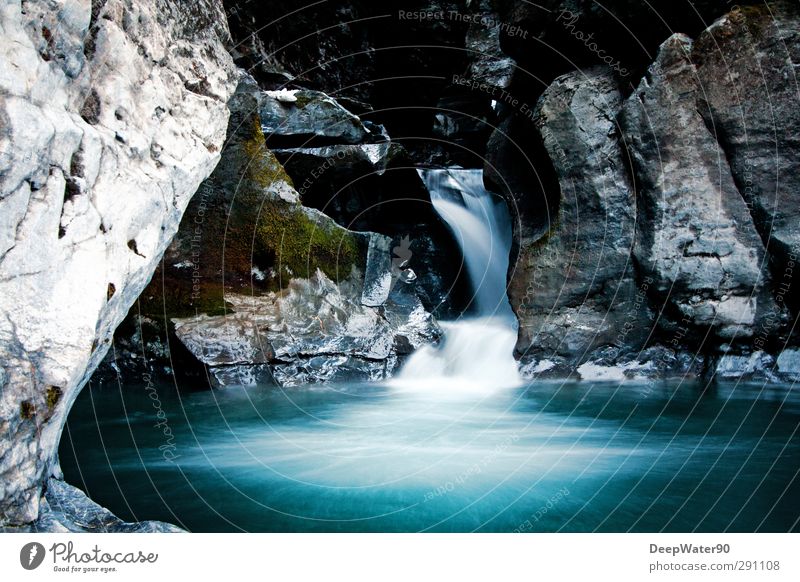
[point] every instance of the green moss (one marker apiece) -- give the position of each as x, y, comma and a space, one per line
302, 245
285, 233
243, 224
181, 299
263, 168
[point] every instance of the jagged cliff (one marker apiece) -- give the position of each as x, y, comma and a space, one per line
669, 251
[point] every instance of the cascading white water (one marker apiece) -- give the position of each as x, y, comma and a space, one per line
476, 352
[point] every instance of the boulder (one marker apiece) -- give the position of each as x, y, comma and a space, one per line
66, 509
339, 161
315, 330
303, 116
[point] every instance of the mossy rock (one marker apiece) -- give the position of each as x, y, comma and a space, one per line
237, 222
303, 243
262, 167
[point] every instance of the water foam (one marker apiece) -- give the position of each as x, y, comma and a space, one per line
476, 354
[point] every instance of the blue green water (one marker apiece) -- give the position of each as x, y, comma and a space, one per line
548, 457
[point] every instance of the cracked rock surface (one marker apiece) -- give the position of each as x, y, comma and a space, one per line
111, 115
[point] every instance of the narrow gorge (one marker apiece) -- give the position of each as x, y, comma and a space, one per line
332, 261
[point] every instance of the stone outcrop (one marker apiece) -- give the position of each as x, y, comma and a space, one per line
307, 117
258, 288
574, 290
66, 509
314, 331
111, 115
746, 64
712, 245
696, 238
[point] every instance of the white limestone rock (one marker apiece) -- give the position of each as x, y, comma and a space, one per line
109, 121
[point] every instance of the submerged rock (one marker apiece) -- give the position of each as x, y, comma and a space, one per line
111, 115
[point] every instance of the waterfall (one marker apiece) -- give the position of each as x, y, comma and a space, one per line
476, 352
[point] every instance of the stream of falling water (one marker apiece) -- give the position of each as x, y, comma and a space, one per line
476, 353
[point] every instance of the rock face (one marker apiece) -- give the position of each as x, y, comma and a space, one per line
65, 508
365, 181
314, 331
306, 116
705, 252
259, 288
579, 290
111, 115
746, 63
697, 239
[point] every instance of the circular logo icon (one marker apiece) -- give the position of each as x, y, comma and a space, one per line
31, 555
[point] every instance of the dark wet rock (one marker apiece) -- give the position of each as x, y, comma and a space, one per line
462, 124
574, 289
358, 49
696, 238
489, 64
318, 45
747, 64
302, 118
554, 37
337, 161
